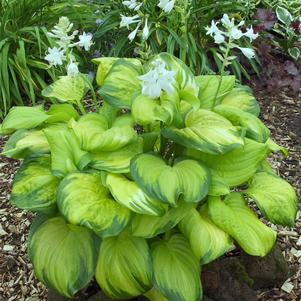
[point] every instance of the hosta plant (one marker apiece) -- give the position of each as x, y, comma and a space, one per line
156, 184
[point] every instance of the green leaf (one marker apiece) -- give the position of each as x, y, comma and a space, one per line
83, 200
206, 131
284, 15
66, 154
67, 89
24, 143
124, 266
275, 197
61, 113
176, 269
218, 185
121, 84
167, 183
155, 295
236, 167
157, 225
255, 129
241, 97
294, 53
128, 194
23, 118
34, 186
208, 242
63, 256
235, 218
274, 147
208, 85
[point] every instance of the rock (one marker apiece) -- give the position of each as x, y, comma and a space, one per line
271, 270
226, 280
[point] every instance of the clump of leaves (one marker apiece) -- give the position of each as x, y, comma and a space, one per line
142, 212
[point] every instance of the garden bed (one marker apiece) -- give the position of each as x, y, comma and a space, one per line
280, 113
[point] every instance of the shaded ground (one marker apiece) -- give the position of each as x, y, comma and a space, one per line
281, 114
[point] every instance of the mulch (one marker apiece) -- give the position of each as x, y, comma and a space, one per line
281, 113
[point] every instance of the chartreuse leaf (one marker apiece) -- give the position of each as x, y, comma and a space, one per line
94, 134
117, 161
155, 295
274, 147
63, 256
83, 200
158, 224
255, 129
218, 185
235, 218
241, 97
61, 113
23, 118
275, 197
166, 183
206, 131
207, 241
124, 267
121, 84
35, 187
127, 193
237, 166
25, 143
176, 269
66, 154
209, 84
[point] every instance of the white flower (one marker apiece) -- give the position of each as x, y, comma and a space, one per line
127, 21
72, 69
235, 33
132, 4
213, 29
166, 5
85, 41
219, 38
250, 34
133, 34
55, 56
248, 52
226, 21
145, 32
158, 79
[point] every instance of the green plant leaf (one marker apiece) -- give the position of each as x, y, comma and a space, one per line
127, 193
275, 197
34, 186
23, 118
235, 218
284, 15
63, 256
176, 269
165, 183
83, 200
294, 53
124, 267
61, 113
155, 295
207, 241
206, 131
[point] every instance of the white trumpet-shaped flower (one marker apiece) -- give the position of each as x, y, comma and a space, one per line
55, 56
85, 41
219, 38
133, 34
248, 52
145, 32
250, 34
127, 21
72, 69
158, 79
132, 4
166, 5
213, 29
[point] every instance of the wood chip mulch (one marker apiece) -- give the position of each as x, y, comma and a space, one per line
281, 113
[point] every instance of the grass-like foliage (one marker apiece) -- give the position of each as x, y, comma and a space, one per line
149, 188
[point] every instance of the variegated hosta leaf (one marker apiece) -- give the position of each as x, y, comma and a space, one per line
150, 226
155, 295
127, 193
121, 84
20, 118
61, 113
176, 269
241, 97
255, 129
274, 147
166, 183
275, 197
206, 131
66, 154
207, 241
35, 187
209, 89
68, 88
218, 185
117, 161
25, 143
235, 217
83, 200
237, 166
63, 256
124, 266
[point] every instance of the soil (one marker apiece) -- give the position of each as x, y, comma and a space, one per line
281, 113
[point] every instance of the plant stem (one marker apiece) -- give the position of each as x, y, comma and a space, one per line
81, 108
